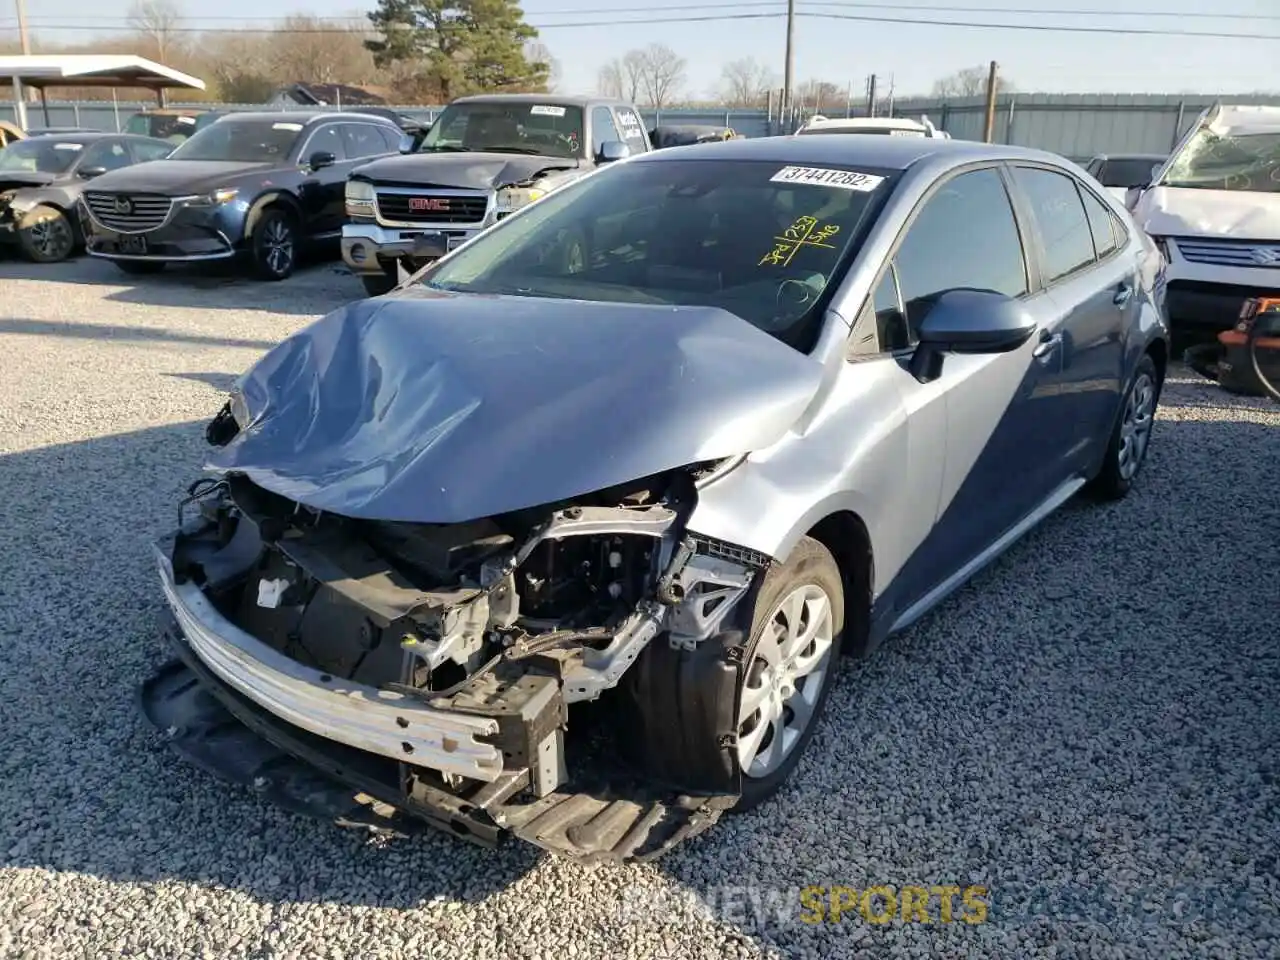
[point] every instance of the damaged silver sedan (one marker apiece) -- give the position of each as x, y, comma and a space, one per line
565, 538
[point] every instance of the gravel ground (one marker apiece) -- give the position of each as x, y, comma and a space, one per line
1088, 731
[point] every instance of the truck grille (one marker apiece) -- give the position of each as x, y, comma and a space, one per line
1230, 253
129, 213
433, 208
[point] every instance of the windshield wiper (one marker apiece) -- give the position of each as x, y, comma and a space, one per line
443, 148
527, 151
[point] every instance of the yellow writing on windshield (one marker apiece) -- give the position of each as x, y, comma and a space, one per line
804, 232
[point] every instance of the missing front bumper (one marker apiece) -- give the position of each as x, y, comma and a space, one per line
228, 735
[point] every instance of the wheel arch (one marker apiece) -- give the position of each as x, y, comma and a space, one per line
264, 202
1158, 351
846, 535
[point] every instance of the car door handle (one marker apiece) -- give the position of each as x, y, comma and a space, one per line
1048, 343
1122, 295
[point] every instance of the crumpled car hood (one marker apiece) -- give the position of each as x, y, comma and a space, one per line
1181, 212
435, 407
468, 171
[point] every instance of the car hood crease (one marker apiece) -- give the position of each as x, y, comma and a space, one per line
180, 176
435, 407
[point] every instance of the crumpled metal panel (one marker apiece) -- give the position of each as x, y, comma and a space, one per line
436, 407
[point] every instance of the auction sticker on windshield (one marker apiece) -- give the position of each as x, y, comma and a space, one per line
286, 126
821, 177
543, 110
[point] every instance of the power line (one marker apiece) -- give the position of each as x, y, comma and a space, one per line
717, 18
775, 4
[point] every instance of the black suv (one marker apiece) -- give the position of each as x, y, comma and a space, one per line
251, 185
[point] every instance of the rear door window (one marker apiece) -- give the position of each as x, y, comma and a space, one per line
1059, 214
1100, 224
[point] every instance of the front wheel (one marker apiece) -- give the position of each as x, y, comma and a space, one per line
787, 667
1131, 438
273, 245
46, 235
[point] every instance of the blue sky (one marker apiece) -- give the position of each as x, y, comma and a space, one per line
846, 51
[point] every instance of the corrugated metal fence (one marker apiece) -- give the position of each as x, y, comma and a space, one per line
1074, 125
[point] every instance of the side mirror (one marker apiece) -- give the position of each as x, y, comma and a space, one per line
969, 321
408, 143
88, 173
612, 150
321, 159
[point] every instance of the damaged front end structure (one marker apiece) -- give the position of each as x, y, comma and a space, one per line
390, 673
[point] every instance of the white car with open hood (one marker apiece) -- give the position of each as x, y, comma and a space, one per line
1214, 210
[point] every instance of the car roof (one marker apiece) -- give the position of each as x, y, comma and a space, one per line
849, 149
551, 99
303, 117
81, 136
1131, 156
866, 123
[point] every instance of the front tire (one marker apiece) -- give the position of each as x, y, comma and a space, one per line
46, 235
273, 245
797, 623
1131, 438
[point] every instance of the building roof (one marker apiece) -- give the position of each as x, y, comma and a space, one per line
94, 70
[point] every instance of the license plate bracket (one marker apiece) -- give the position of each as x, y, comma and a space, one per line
135, 244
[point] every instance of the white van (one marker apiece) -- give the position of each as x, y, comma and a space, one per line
885, 126
1213, 208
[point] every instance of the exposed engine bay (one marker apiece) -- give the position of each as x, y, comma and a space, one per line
513, 619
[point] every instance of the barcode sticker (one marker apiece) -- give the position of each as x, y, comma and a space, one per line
822, 177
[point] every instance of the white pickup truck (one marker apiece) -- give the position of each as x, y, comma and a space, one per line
484, 158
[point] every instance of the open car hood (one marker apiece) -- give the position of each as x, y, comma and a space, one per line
435, 407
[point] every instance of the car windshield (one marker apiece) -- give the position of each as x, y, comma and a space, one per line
40, 155
242, 141
162, 126
1214, 161
762, 240
1128, 171
537, 129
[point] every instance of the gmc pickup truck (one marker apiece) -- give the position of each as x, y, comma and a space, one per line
484, 158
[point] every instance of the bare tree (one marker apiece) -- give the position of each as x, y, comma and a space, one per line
661, 73
819, 95
969, 82
537, 52
158, 21
745, 83
623, 78
309, 49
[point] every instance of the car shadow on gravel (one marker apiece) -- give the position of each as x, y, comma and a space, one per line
316, 288
99, 331
1040, 725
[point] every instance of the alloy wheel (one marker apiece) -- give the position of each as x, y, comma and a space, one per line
784, 680
277, 246
1135, 428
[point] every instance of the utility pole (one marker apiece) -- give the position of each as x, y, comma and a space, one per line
788, 75
871, 95
891, 88
989, 132
22, 28
19, 94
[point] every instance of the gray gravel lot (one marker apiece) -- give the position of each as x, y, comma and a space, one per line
1089, 730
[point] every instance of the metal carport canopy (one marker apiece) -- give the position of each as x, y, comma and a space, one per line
89, 70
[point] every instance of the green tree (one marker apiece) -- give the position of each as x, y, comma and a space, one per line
457, 47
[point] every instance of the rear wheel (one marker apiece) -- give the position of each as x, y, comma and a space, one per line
1131, 438
273, 245
140, 268
46, 235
